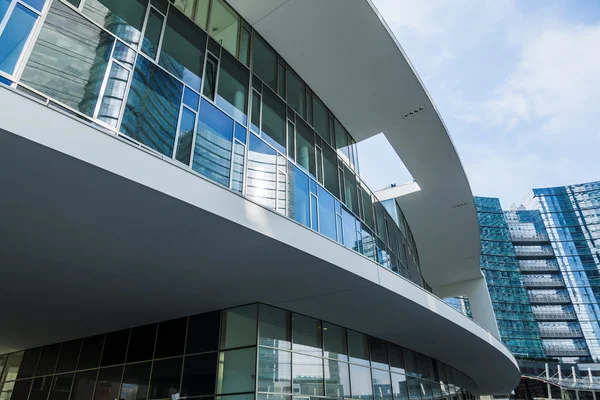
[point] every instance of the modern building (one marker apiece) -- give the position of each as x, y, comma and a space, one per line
184, 216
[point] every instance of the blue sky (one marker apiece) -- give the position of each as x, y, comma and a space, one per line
516, 83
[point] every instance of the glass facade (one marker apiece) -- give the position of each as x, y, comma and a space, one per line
250, 352
192, 81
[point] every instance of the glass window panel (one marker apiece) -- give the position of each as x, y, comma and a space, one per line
305, 147
426, 392
199, 375
414, 388
350, 190
2, 363
29, 363
379, 354
435, 387
246, 396
326, 213
68, 60
330, 171
358, 347
212, 152
237, 369
40, 388
314, 218
61, 387
273, 121
185, 6
114, 95
182, 49
369, 247
48, 360
115, 347
422, 366
261, 185
201, 16
210, 80
409, 362
281, 79
191, 99
37, 4
238, 327
83, 385
240, 133
264, 61
367, 207
141, 344
382, 387
320, 118
399, 387
306, 334
4, 4
360, 378
136, 379
171, 338
255, 113
152, 109
6, 389
224, 25
109, 381
274, 371
431, 364
350, 238
232, 92
291, 140
186, 135
337, 379
14, 36
152, 33
298, 195
396, 358
203, 332
295, 92
18, 390
335, 342
244, 54
307, 375
274, 327
123, 18
166, 375
237, 179
309, 108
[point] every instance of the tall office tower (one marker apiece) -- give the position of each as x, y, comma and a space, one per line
183, 214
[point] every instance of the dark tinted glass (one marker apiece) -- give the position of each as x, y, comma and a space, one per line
203, 333
69, 353
295, 92
264, 62
274, 327
396, 358
115, 347
135, 381
141, 344
83, 386
166, 375
108, 384
171, 338
238, 327
237, 371
107, 12
422, 366
273, 120
61, 387
334, 341
48, 360
358, 348
91, 351
40, 388
306, 334
409, 362
232, 91
379, 356
305, 147
199, 375
21, 390
29, 363
152, 33
330, 171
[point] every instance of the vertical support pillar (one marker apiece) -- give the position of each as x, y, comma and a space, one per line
574, 376
590, 376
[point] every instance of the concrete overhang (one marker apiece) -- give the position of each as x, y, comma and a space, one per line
98, 234
347, 54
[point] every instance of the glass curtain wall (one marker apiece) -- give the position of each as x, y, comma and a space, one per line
192, 81
250, 352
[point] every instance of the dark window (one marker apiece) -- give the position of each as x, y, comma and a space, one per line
350, 187
238, 327
396, 358
244, 53
186, 134
152, 109
182, 50
123, 18
48, 360
199, 375
115, 348
295, 92
237, 371
264, 62
210, 83
362, 386
83, 385
232, 91
91, 352
40, 388
141, 344
273, 120
305, 147
306, 334
274, 327
409, 362
330, 171
29, 363
171, 338
21, 390
109, 381
166, 375
379, 355
203, 333
61, 387
255, 113
422, 366
335, 343
152, 33
358, 348
136, 378
69, 354
320, 117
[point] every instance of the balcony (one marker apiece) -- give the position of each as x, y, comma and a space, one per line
532, 252
547, 266
542, 283
554, 316
556, 333
559, 351
550, 299
518, 237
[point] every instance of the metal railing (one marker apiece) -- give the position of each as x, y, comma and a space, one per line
554, 316
533, 252
564, 351
550, 298
537, 282
523, 237
560, 333
539, 268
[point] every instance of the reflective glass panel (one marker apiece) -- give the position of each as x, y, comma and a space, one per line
341, 141
182, 49
409, 362
20, 389
274, 327
232, 91
191, 99
274, 371
264, 62
273, 121
123, 18
396, 358
238, 327
186, 135
4, 4
237, 179
29, 363
295, 92
358, 347
379, 355
335, 342
399, 387
115, 347
152, 109
152, 33
136, 379
166, 375
224, 25
210, 79
240, 133
237, 371
141, 344
14, 36
351, 195
350, 237
305, 147
337, 379
298, 195
261, 184
307, 375
244, 55
108, 383
171, 338
199, 375
61, 387
114, 95
83, 385
203, 332
48, 360
414, 388
330, 171
326, 213
306, 334
68, 59
360, 378
382, 388
40, 388
320, 119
